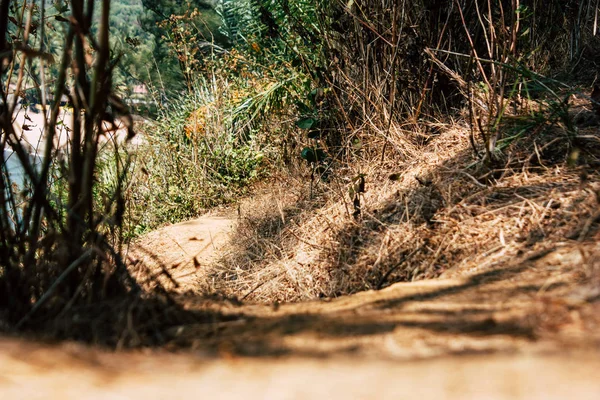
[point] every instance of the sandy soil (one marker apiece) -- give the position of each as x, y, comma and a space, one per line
72, 372
528, 329
180, 253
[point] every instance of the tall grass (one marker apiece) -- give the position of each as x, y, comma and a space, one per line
397, 65
59, 228
205, 149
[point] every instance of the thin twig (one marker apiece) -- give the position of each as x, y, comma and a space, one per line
395, 267
55, 285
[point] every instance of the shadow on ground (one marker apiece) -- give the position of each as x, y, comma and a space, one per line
498, 309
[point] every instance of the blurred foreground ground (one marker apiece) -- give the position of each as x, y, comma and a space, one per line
524, 330
71, 372
514, 313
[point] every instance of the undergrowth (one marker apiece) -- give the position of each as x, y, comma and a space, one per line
431, 118
435, 214
413, 139
200, 153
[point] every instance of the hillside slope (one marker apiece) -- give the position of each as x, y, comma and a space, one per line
491, 292
528, 330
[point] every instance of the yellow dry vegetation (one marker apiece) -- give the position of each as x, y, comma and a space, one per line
196, 124
210, 115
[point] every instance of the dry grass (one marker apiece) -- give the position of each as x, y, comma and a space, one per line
443, 214
445, 211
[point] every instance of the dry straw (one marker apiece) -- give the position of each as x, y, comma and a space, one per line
443, 214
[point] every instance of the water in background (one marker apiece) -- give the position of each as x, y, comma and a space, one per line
15, 175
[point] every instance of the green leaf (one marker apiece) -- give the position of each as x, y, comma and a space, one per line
313, 155
309, 155
321, 155
305, 123
303, 107
315, 134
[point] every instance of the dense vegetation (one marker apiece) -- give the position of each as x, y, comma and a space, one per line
245, 89
358, 81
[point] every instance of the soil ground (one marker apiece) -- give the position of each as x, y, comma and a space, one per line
526, 329
181, 252
74, 372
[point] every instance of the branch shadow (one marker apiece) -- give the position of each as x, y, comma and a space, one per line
262, 234
353, 327
430, 208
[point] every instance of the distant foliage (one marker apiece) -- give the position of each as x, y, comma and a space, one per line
195, 157
174, 25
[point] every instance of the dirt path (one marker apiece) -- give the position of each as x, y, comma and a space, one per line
528, 328
73, 372
183, 250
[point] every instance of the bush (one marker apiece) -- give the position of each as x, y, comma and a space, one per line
195, 157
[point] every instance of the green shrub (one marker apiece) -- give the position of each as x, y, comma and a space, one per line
194, 157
